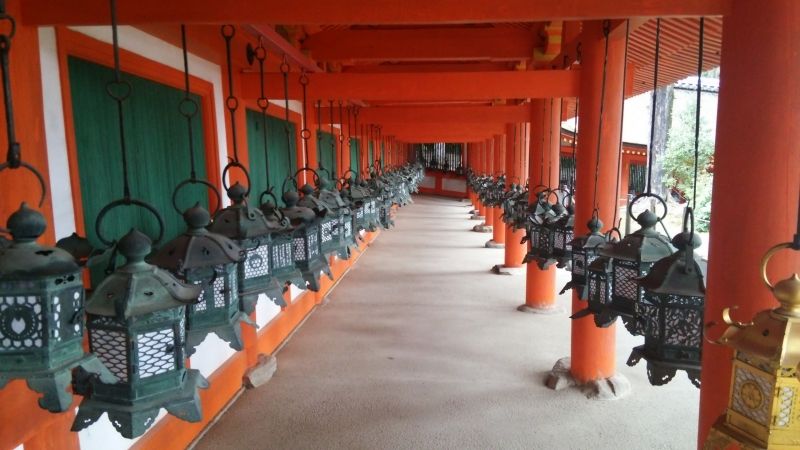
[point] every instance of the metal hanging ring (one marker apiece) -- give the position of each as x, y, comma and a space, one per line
330, 174
263, 103
188, 107
644, 195
23, 164
127, 202
305, 134
306, 169
118, 90
767, 256
232, 103
285, 64
228, 31
688, 219
235, 164
193, 181
12, 25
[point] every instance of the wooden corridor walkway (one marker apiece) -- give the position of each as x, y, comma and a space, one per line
421, 347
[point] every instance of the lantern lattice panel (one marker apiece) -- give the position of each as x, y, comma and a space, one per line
597, 285
282, 255
685, 324
219, 292
17, 334
156, 352
327, 231
110, 346
257, 263
751, 395
650, 314
348, 228
313, 244
625, 279
299, 245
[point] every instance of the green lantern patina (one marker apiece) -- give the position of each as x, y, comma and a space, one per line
41, 314
330, 197
308, 257
209, 260
137, 325
330, 240
632, 258
583, 252
248, 228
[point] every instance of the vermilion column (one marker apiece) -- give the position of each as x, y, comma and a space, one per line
498, 163
592, 349
757, 121
540, 287
515, 249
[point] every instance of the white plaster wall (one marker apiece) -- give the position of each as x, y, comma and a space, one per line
429, 182
103, 436
55, 136
211, 354
266, 310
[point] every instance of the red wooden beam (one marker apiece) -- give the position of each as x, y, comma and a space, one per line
281, 46
422, 86
499, 114
423, 44
374, 12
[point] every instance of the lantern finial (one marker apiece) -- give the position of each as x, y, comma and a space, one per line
26, 224
134, 246
237, 192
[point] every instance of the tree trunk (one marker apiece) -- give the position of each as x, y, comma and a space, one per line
664, 99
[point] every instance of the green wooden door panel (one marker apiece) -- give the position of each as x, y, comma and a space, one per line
326, 155
157, 147
281, 164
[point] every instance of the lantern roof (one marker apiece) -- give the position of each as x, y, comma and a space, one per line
197, 247
297, 214
645, 244
678, 273
137, 287
240, 221
23, 258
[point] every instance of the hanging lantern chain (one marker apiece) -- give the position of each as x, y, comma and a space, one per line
697, 109
622, 114
260, 55
653, 107
333, 138
14, 152
541, 161
606, 31
340, 161
119, 90
305, 133
286, 129
550, 147
231, 102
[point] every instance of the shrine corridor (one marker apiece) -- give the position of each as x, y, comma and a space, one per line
421, 346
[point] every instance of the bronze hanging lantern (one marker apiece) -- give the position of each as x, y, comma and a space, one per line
41, 314
671, 313
330, 196
631, 258
563, 236
308, 257
209, 260
41, 289
244, 225
137, 323
583, 253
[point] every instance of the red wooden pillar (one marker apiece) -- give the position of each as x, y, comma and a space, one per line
515, 249
592, 349
758, 115
540, 287
498, 163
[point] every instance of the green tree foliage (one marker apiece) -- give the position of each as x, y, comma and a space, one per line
679, 163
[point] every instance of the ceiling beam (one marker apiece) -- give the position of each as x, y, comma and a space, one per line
437, 133
423, 44
366, 12
499, 114
422, 86
472, 66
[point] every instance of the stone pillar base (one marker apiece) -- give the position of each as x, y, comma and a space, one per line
261, 373
482, 228
501, 269
477, 217
547, 311
492, 244
610, 388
